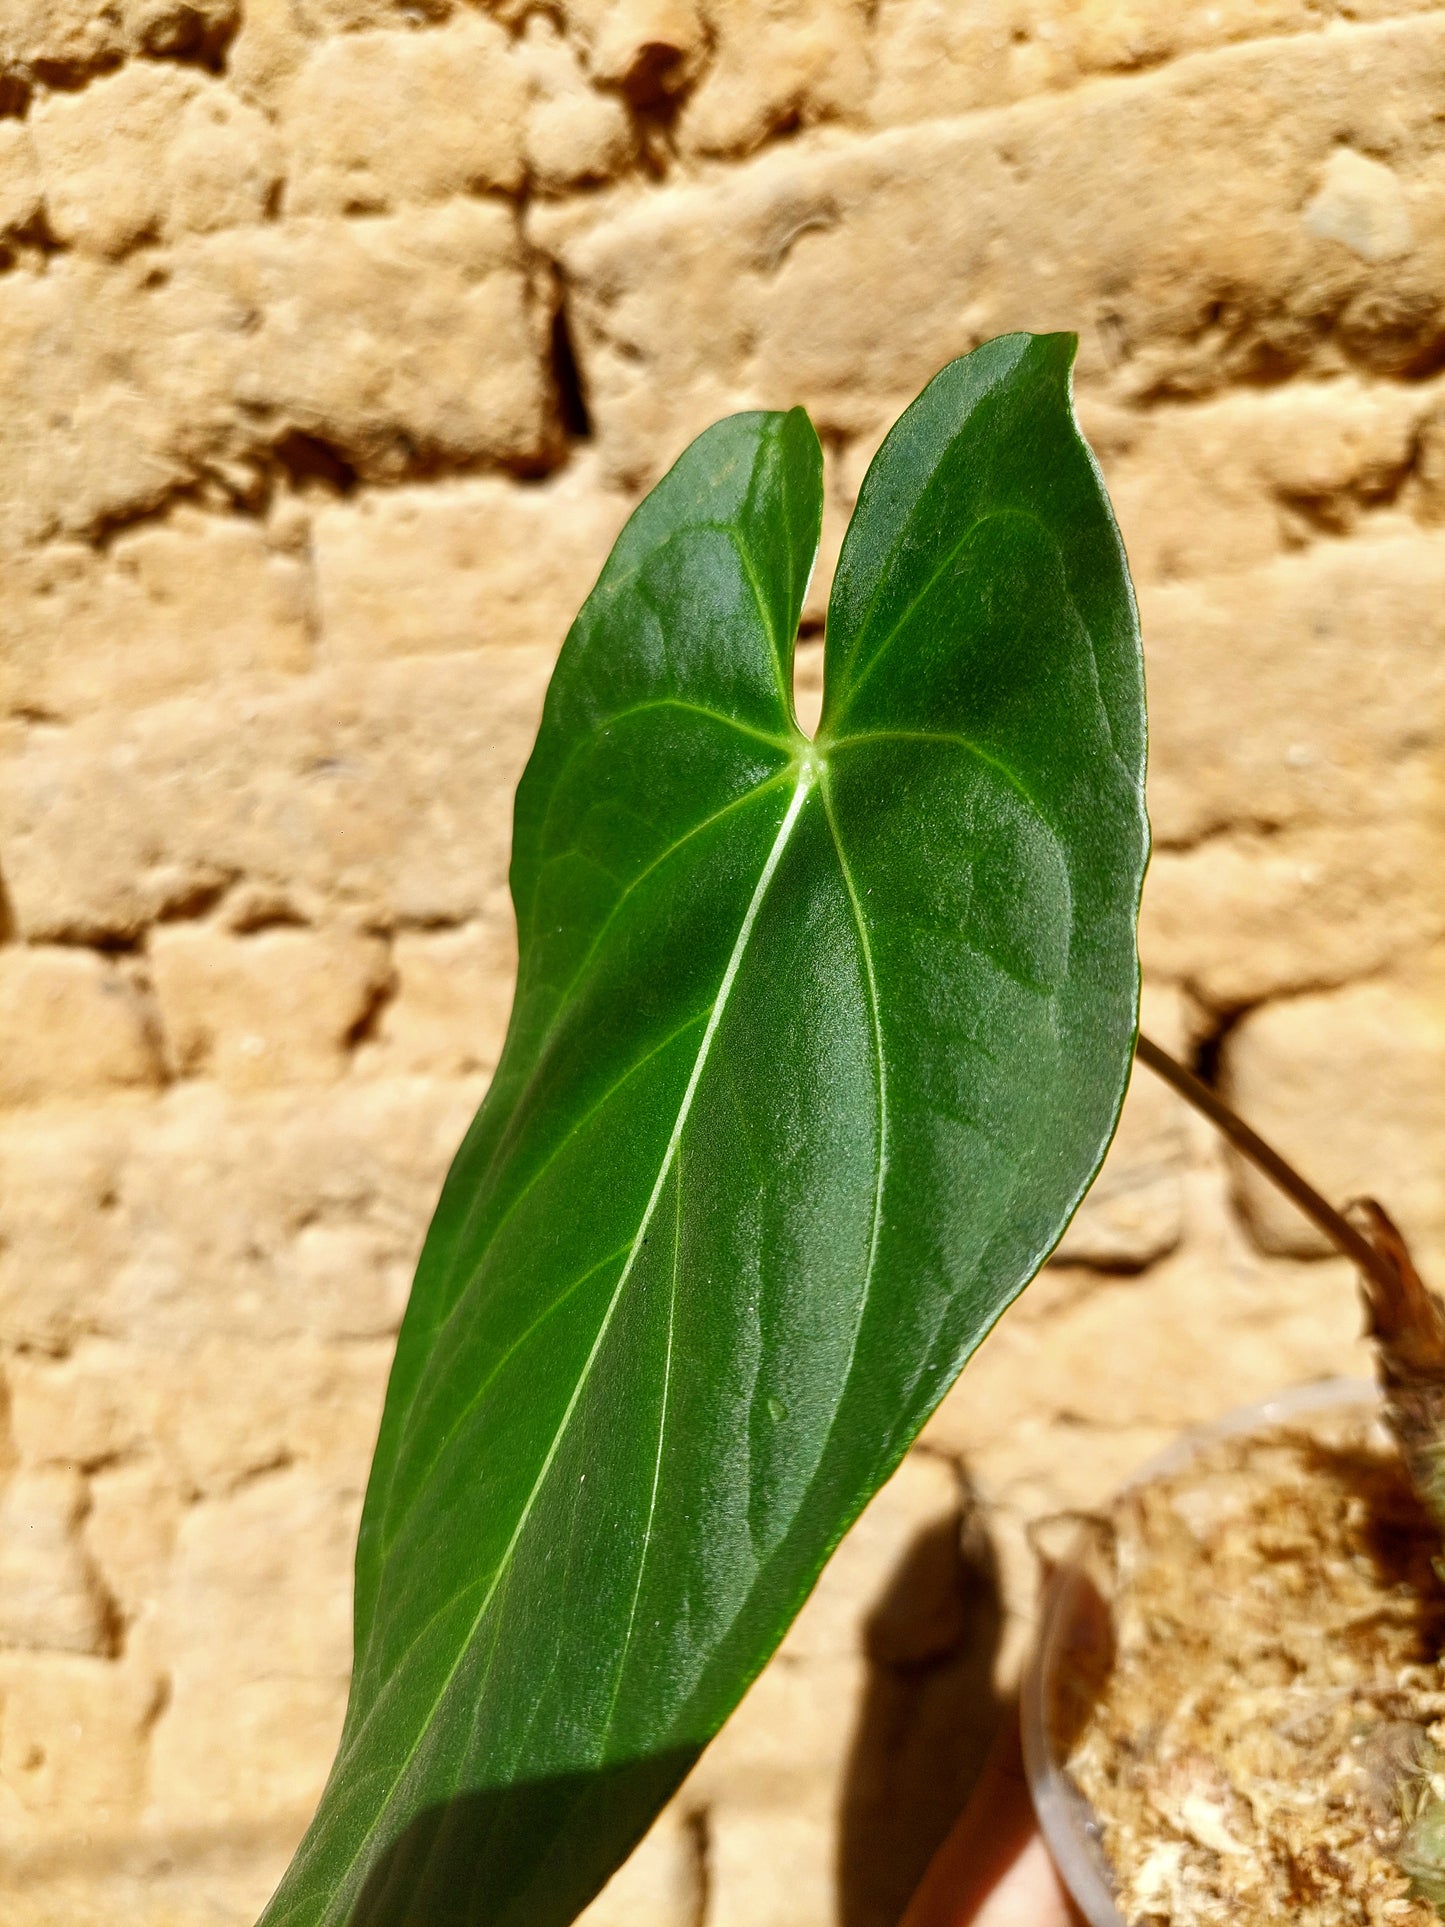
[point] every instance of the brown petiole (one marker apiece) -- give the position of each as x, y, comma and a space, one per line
1374, 1263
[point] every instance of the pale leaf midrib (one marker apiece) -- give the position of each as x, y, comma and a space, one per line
780, 842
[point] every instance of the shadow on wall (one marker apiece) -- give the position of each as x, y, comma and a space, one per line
928, 1717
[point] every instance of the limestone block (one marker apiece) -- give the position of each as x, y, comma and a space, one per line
1342, 652
955, 56
1330, 461
1171, 205
188, 1413
77, 1410
808, 685
71, 33
73, 1746
1210, 1327
394, 343
275, 1218
1361, 204
276, 1007
386, 791
19, 177
1220, 486
1244, 918
198, 30
59, 1236
1054, 1468
771, 1865
1134, 1210
271, 1217
131, 1882
354, 1278
662, 1883
414, 571
72, 41
417, 338
651, 49
257, 1612
222, 166
840, 493
1350, 1085
946, 57
71, 1025
272, 43
453, 997
275, 38
86, 437
353, 113
574, 133
782, 1750
229, 1410
935, 60
1430, 467
50, 1599
775, 65
150, 151
135, 1510
166, 607
320, 17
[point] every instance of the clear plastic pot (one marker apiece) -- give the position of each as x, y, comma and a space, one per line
1068, 1619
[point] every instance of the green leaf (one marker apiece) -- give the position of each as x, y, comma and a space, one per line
816, 1047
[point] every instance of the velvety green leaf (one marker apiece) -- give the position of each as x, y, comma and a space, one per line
816, 1047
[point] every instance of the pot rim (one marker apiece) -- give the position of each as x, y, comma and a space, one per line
1067, 1821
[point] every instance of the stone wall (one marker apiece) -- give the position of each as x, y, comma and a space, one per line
336, 339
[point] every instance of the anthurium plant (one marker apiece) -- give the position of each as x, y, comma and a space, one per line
817, 1044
